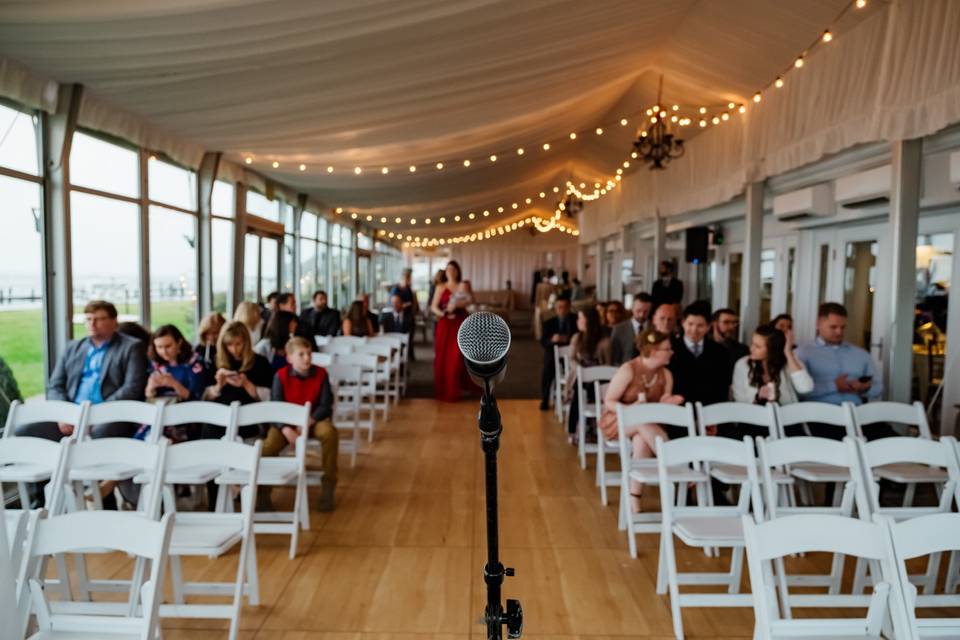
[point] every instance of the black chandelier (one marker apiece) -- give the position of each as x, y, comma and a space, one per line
656, 145
571, 205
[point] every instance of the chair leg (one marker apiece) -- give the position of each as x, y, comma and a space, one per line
581, 445
176, 579
673, 582
859, 576
295, 517
930, 577
736, 569
622, 515
305, 508
836, 574
661, 568
952, 577
253, 577
602, 470
784, 593
909, 493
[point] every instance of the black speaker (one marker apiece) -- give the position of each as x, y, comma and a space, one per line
698, 239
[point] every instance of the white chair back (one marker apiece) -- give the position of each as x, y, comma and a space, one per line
771, 541
806, 412
351, 340
123, 411
734, 412
338, 348
272, 412
26, 413
911, 415
321, 341
321, 359
201, 412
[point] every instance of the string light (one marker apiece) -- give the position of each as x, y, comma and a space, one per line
466, 163
757, 97
439, 166
623, 121
798, 62
861, 4
599, 131
385, 171
827, 36
778, 83
541, 224
339, 210
413, 168
275, 164
742, 109
357, 170
493, 158
520, 151
248, 160
573, 136
303, 167
329, 169
546, 146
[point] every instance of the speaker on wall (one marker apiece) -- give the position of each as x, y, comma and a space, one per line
698, 240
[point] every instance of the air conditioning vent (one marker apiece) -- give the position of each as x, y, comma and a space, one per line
804, 203
865, 189
867, 203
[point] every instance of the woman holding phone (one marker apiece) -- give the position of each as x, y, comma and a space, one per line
241, 375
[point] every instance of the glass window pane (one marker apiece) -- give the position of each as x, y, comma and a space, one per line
308, 274
321, 265
322, 229
287, 209
346, 274
288, 263
934, 275
824, 269
364, 241
101, 165
172, 185
113, 275
768, 264
173, 269
18, 140
859, 285
21, 291
222, 203
268, 266
251, 267
222, 259
308, 225
258, 205
337, 301
791, 263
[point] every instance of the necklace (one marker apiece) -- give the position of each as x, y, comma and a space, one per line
648, 383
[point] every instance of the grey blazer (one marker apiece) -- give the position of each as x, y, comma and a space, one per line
124, 370
622, 347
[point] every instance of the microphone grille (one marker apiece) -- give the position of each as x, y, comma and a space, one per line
483, 337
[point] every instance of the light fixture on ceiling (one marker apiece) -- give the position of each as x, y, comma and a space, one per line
659, 145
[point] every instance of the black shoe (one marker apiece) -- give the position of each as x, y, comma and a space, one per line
544, 406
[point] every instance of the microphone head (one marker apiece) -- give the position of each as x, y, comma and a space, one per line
484, 338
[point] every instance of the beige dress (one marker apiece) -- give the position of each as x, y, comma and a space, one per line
652, 385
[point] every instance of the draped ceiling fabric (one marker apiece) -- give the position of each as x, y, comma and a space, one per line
488, 265
384, 83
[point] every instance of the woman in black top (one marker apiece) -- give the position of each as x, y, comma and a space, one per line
241, 376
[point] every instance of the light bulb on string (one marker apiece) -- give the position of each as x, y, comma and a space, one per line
413, 168
329, 169
778, 83
757, 97
493, 157
827, 36
248, 160
385, 171
520, 151
861, 4
798, 62
439, 166
573, 136
275, 165
466, 163
599, 131
730, 105
303, 167
742, 109
357, 170
703, 110
623, 122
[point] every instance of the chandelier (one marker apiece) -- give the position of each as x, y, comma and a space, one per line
656, 145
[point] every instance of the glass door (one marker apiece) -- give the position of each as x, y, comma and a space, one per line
261, 265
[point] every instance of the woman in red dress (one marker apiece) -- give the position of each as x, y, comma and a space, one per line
449, 306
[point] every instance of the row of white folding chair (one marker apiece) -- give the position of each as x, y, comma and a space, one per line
561, 364
399, 361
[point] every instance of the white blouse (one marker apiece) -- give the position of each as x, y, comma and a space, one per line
791, 383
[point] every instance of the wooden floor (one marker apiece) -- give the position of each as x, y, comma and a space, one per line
404, 551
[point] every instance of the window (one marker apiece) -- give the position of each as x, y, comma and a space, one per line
222, 202
287, 209
172, 185
268, 266
101, 165
308, 273
859, 286
288, 275
173, 269
21, 275
18, 140
934, 274
364, 242
768, 266
258, 205
824, 269
106, 255
222, 263
251, 267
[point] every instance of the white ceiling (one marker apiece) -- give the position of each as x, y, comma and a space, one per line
386, 83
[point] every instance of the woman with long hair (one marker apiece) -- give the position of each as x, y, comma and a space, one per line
281, 327
177, 374
772, 372
642, 379
615, 312
449, 306
241, 375
588, 348
357, 322
250, 315
208, 333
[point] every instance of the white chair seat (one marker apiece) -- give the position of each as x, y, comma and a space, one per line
24, 472
113, 471
679, 473
700, 531
819, 473
732, 474
199, 474
82, 635
200, 539
904, 472
282, 472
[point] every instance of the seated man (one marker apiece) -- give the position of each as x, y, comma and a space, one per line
103, 367
319, 320
399, 319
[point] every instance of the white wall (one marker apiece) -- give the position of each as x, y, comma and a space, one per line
489, 264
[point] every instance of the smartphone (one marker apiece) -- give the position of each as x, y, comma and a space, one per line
866, 378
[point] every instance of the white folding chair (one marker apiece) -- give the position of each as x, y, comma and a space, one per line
338, 348
386, 388
351, 340
899, 450
344, 380
702, 526
588, 411
771, 541
729, 413
132, 411
366, 390
321, 359
146, 539
278, 471
605, 479
910, 416
646, 472
780, 456
402, 342
561, 364
13, 527
214, 534
26, 472
803, 413
321, 341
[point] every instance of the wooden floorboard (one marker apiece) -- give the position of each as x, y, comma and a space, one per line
402, 555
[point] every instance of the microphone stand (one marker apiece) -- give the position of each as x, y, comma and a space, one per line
494, 572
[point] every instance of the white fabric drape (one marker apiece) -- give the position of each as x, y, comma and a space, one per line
489, 264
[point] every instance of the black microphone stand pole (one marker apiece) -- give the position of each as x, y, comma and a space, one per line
494, 572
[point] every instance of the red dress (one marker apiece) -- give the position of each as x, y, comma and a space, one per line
450, 376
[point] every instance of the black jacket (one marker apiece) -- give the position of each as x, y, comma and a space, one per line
552, 327
390, 325
319, 323
705, 379
671, 293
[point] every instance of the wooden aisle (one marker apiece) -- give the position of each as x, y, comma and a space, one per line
404, 551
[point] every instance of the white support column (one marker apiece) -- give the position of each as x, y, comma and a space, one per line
239, 245
297, 266
144, 228
58, 129
206, 176
659, 246
598, 271
905, 179
750, 273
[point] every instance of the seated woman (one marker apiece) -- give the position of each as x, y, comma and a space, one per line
356, 322
643, 379
241, 375
249, 314
772, 372
588, 348
281, 327
177, 375
615, 313
209, 331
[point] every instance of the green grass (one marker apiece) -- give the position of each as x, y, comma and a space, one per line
21, 339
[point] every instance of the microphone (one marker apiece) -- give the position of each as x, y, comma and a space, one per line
484, 340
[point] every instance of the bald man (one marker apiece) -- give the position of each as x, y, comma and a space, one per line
665, 319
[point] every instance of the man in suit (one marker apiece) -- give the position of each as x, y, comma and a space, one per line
557, 331
409, 299
319, 320
623, 334
699, 366
103, 367
399, 319
667, 290
723, 331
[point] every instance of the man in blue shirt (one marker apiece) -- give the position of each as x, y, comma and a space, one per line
841, 372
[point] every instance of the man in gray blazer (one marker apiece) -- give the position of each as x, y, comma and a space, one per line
103, 367
623, 334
